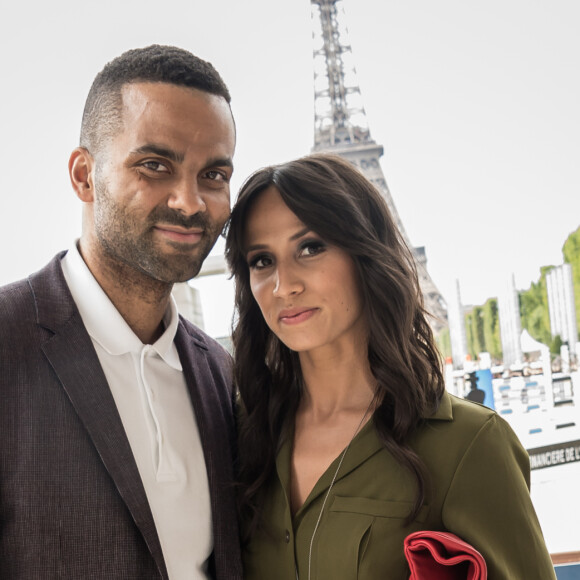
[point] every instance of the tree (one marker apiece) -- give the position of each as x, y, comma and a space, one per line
474, 331
556, 344
482, 327
571, 251
491, 329
469, 335
444, 343
534, 312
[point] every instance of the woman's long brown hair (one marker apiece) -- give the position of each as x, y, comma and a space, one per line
334, 200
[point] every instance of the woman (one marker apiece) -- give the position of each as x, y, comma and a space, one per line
348, 439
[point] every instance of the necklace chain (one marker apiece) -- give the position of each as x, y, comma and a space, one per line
342, 455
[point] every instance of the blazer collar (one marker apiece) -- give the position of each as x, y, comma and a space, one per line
445, 411
71, 354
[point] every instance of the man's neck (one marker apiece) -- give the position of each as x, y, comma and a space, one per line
142, 310
139, 299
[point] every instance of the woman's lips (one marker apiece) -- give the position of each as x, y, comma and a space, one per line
296, 315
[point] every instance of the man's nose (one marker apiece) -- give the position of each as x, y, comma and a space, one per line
186, 197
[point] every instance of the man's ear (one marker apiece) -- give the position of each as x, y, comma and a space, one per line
80, 170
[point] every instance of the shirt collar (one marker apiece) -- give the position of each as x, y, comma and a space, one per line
103, 321
444, 411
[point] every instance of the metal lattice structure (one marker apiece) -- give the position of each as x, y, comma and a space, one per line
341, 127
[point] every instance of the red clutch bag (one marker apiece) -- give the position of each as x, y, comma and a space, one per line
443, 556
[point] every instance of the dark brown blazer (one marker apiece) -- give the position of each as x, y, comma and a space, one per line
72, 504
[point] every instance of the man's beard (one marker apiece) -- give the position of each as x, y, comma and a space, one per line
131, 241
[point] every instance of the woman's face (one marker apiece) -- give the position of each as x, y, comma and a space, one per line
307, 290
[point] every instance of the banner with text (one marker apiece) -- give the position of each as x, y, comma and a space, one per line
557, 454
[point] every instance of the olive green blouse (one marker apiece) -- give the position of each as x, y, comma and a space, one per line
479, 490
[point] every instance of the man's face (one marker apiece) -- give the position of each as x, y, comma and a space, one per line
162, 192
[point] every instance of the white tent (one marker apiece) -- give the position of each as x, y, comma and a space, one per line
530, 344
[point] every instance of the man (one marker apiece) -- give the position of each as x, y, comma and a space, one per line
115, 413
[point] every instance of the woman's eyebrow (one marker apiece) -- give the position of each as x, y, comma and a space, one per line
292, 238
299, 234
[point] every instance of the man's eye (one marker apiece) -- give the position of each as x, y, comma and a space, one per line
156, 166
215, 175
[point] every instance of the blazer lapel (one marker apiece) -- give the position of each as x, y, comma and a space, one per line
71, 354
215, 429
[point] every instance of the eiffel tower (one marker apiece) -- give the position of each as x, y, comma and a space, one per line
341, 127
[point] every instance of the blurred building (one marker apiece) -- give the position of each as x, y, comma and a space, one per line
457, 335
510, 325
561, 304
188, 303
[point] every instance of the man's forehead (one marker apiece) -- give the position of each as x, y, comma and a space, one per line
136, 95
171, 117
139, 99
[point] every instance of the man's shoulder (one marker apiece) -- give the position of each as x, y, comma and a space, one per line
14, 297
18, 319
19, 299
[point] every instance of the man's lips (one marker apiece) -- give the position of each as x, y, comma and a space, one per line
296, 315
178, 234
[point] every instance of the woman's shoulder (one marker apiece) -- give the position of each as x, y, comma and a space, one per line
461, 412
458, 422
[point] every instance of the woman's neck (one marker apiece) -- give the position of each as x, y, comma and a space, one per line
332, 386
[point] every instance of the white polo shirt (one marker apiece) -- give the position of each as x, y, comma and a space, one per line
149, 389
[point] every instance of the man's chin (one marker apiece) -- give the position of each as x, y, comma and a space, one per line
183, 265
185, 278
184, 273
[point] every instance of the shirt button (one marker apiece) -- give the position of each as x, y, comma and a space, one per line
287, 537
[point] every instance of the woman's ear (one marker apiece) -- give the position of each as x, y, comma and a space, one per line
80, 170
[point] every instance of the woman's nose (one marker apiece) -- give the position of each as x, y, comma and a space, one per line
287, 282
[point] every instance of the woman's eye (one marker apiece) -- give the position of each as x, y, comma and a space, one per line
259, 262
312, 248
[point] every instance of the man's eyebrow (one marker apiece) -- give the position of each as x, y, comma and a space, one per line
220, 162
161, 151
176, 157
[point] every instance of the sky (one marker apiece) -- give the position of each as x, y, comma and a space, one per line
477, 106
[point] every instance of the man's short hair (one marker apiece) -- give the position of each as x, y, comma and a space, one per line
156, 64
